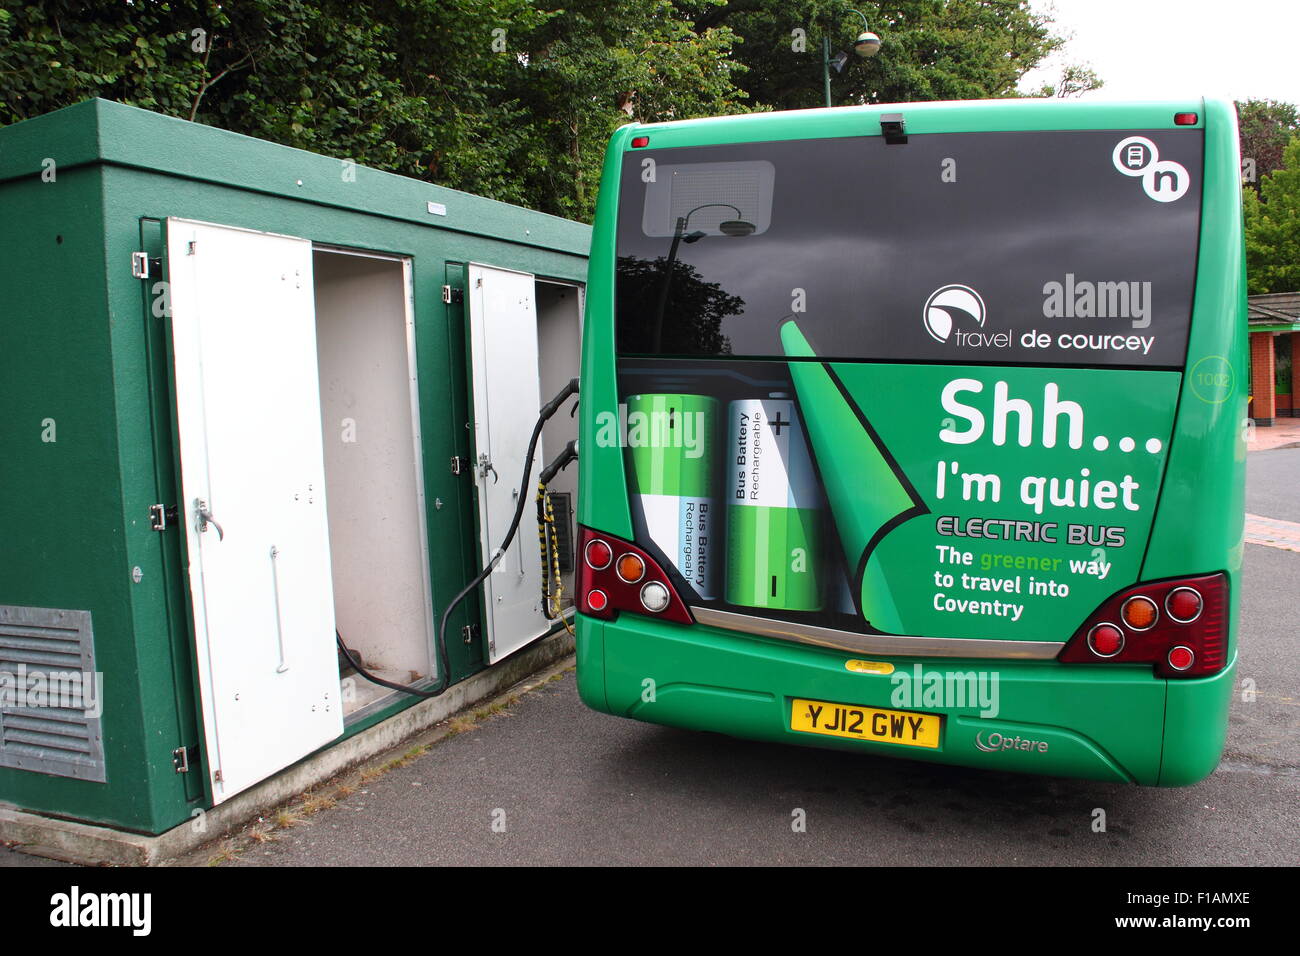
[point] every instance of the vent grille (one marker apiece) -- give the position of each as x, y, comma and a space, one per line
64, 740
562, 506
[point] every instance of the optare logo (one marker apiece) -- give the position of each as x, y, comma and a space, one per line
950, 306
1162, 179
998, 742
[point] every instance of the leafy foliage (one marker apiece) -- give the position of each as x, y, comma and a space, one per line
1273, 227
512, 99
1266, 126
933, 49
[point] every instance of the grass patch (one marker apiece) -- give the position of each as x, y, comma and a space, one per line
226, 853
314, 803
286, 817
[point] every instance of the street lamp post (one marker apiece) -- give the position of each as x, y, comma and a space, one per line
866, 45
826, 66
732, 227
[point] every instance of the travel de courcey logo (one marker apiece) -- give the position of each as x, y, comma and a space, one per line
951, 307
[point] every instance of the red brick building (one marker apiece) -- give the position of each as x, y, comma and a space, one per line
1274, 322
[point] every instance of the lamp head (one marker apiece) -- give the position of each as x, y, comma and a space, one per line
735, 227
867, 44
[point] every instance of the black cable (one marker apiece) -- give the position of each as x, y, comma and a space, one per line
559, 463
444, 667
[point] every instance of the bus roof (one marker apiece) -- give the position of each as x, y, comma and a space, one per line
929, 117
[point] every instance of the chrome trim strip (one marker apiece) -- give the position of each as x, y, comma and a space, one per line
888, 644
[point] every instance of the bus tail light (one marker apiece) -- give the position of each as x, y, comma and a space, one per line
1106, 640
1184, 605
1139, 613
1180, 627
599, 555
615, 575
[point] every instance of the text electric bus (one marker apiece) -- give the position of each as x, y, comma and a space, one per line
917, 430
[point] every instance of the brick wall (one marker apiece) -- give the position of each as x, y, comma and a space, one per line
1264, 408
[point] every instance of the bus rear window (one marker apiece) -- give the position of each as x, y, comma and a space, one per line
1061, 248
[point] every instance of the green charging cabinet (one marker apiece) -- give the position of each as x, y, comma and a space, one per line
92, 198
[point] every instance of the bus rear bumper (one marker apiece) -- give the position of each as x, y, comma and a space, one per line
1101, 722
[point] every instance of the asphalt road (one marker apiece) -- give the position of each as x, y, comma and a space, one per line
576, 787
1272, 482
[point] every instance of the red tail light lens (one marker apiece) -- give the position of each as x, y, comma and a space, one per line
1181, 658
1183, 605
1185, 119
1189, 640
599, 554
634, 582
639, 141
1106, 640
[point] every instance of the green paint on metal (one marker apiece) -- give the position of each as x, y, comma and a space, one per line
1144, 481
601, 502
86, 349
1102, 723
101, 131
920, 118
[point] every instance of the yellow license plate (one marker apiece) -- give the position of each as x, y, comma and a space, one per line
865, 723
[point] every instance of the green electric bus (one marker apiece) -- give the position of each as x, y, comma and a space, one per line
917, 430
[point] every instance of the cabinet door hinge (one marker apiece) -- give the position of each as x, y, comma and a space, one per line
142, 267
161, 517
452, 296
181, 759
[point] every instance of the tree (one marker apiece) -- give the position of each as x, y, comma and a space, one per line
315, 75
1075, 80
932, 49
1273, 227
1266, 126
596, 64
511, 99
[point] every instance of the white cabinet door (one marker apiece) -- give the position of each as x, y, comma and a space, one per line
503, 346
248, 416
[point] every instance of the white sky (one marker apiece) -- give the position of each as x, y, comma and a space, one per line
1243, 49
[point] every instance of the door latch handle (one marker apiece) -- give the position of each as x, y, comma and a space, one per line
205, 518
484, 466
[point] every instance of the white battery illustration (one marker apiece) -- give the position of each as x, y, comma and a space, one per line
774, 509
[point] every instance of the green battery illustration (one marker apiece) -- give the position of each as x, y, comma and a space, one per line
865, 495
672, 450
774, 509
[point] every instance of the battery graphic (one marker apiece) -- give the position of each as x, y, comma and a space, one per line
774, 509
866, 495
672, 442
